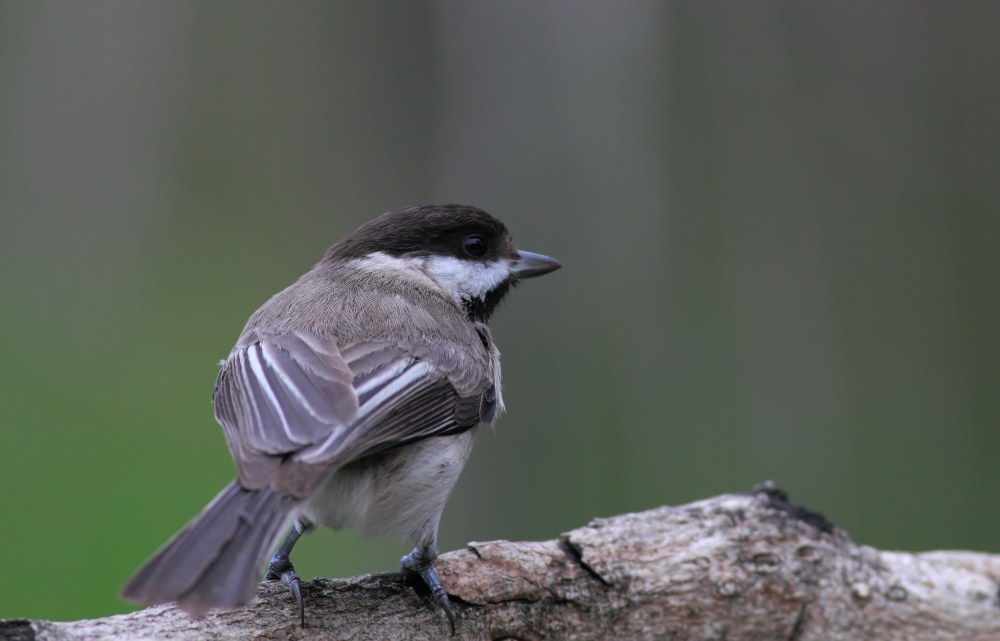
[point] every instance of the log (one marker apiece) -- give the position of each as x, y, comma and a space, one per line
734, 567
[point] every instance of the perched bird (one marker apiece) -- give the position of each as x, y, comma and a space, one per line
351, 400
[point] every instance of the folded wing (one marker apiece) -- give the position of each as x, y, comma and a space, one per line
292, 406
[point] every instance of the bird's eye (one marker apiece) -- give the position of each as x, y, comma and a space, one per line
475, 246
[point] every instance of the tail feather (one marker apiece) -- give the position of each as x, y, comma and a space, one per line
216, 560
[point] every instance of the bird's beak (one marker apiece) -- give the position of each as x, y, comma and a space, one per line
530, 264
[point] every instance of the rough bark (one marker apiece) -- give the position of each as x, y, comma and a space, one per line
750, 566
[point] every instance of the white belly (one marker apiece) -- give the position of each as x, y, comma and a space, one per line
401, 493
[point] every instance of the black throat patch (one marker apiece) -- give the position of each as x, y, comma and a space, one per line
480, 309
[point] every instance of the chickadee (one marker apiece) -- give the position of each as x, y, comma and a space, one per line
351, 399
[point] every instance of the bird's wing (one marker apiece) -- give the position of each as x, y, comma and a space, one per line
293, 405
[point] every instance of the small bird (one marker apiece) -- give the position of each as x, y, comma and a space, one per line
351, 399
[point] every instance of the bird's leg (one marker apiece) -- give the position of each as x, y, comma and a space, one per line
421, 561
280, 566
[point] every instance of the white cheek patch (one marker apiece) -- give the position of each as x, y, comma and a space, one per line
408, 268
460, 279
466, 278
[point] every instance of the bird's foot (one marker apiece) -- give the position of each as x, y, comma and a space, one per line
281, 568
421, 561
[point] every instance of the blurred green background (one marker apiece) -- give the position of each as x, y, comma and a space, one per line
779, 224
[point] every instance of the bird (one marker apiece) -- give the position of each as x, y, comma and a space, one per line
351, 400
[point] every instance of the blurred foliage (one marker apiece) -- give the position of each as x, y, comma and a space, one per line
779, 224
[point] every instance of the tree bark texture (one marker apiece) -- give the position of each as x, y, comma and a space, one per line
748, 566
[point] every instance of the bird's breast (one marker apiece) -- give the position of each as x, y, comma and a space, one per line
399, 493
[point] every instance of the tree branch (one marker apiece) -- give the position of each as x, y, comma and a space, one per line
732, 567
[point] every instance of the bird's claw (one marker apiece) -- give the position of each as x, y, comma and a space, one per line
422, 563
282, 569
294, 584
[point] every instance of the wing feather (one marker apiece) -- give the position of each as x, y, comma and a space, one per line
298, 401
274, 402
299, 385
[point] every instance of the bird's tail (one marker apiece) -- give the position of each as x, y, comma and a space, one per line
216, 560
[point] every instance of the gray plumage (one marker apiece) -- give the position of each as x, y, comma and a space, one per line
350, 399
215, 561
